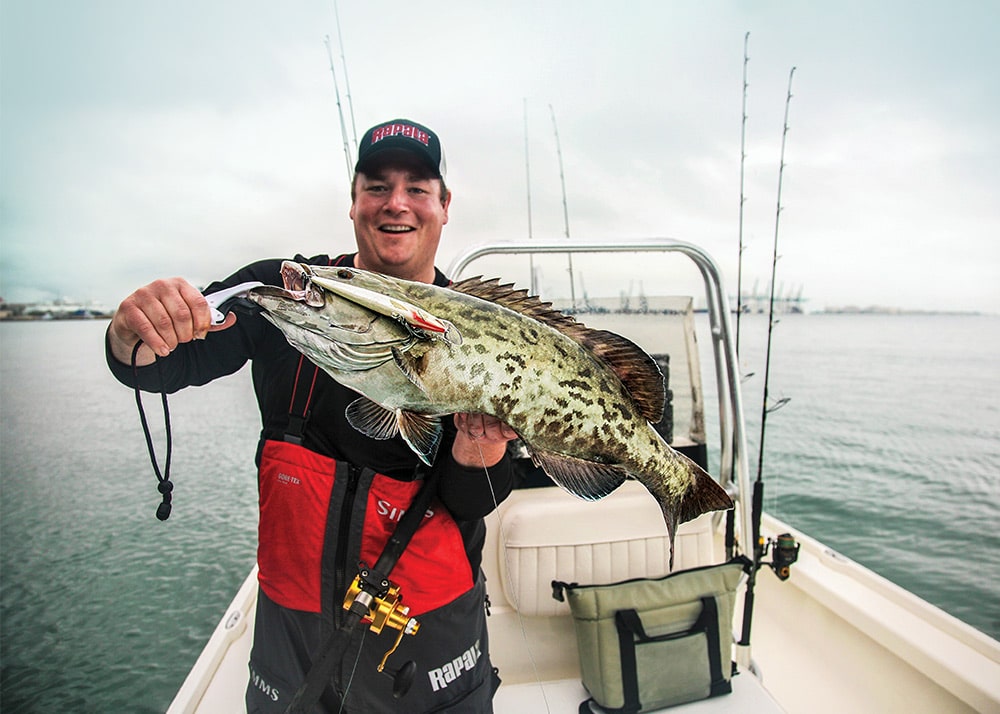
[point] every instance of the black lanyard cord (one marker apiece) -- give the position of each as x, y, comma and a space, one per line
165, 487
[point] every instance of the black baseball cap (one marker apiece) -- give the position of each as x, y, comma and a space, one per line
405, 135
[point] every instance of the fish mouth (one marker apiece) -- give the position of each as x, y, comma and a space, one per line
297, 286
328, 328
303, 285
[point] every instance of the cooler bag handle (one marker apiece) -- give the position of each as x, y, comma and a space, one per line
631, 632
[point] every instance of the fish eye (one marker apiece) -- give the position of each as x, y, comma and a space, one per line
345, 274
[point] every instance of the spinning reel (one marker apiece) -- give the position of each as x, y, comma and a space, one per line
380, 604
784, 552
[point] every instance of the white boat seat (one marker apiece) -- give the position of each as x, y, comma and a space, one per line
545, 534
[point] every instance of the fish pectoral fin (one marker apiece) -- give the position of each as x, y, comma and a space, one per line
372, 419
407, 365
421, 433
585, 479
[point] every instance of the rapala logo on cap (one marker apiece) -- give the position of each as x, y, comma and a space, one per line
407, 130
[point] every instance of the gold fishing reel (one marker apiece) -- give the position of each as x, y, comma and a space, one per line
383, 611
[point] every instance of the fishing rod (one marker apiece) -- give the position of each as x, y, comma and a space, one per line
562, 180
731, 517
340, 111
765, 409
743, 158
786, 550
347, 79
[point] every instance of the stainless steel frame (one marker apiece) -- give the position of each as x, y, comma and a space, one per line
734, 465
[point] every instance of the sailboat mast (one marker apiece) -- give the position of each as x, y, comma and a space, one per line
527, 180
562, 180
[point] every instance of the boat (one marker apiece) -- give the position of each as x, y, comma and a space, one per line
829, 635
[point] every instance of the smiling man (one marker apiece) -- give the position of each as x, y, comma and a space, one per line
399, 200
331, 497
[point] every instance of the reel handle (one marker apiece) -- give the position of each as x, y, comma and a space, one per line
402, 678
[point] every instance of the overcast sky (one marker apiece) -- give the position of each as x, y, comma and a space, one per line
143, 139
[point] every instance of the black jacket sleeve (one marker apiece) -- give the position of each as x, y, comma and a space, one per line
466, 492
473, 492
199, 362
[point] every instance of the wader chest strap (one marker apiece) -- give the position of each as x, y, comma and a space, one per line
298, 418
332, 653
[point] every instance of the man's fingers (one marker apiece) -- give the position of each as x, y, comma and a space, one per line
484, 426
162, 315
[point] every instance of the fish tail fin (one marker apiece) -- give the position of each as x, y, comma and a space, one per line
703, 495
670, 516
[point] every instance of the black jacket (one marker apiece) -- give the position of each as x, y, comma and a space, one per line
274, 366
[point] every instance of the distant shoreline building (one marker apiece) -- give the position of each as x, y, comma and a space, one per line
57, 310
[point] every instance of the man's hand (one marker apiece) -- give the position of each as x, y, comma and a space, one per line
163, 314
481, 438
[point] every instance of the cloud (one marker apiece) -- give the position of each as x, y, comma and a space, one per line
140, 140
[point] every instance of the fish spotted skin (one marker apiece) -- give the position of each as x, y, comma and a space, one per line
581, 400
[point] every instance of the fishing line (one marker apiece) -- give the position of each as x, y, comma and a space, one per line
354, 668
165, 486
506, 556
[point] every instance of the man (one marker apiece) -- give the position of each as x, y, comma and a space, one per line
330, 497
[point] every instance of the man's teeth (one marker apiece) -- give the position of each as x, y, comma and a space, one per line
396, 229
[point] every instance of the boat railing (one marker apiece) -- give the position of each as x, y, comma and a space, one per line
733, 455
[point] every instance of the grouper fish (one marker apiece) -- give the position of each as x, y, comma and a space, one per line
581, 400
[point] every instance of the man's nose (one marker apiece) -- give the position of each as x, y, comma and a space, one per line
398, 200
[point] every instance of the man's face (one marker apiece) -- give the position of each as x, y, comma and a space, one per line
398, 215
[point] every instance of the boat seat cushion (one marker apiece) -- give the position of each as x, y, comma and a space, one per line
551, 535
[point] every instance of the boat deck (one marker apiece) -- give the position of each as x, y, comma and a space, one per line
833, 638
564, 697
827, 640
537, 535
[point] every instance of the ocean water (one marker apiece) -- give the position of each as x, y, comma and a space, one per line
889, 447
103, 608
888, 451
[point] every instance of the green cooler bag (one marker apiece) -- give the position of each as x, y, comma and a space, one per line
651, 643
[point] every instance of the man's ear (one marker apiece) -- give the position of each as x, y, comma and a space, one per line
445, 203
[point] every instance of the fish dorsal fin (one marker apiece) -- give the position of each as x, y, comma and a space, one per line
517, 300
636, 369
421, 433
